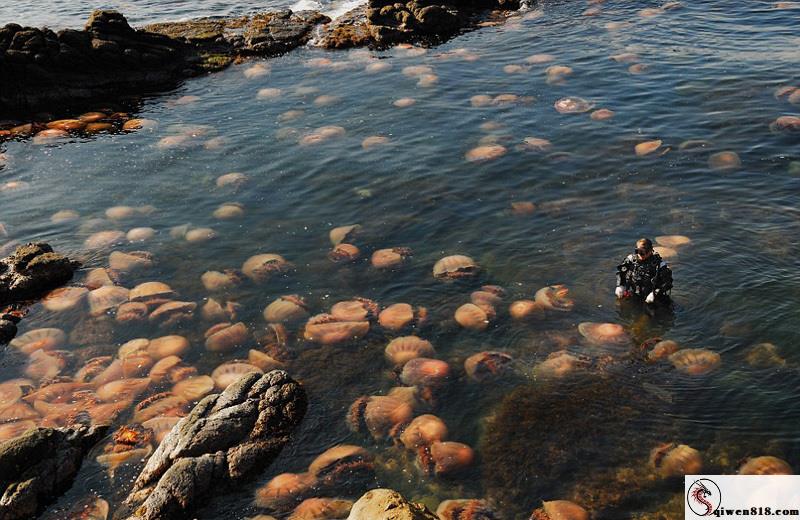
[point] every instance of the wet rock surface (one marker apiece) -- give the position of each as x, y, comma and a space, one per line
30, 271
428, 21
226, 437
39, 465
109, 57
44, 69
386, 504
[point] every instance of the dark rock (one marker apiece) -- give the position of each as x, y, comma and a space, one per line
348, 30
225, 438
32, 270
110, 59
39, 465
8, 329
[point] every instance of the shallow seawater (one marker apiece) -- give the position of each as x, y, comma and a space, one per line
713, 68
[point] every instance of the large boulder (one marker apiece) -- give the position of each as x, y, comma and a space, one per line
39, 465
386, 504
31, 271
225, 438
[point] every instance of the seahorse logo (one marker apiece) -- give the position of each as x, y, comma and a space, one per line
703, 497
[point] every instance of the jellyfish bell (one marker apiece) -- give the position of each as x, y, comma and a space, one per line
229, 211
487, 365
216, 281
480, 100
765, 465
466, 509
284, 490
172, 313
417, 70
322, 134
140, 234
695, 361
62, 216
786, 124
673, 241
389, 258
676, 460
44, 365
106, 298
422, 431
559, 364
662, 349
557, 74
40, 339
602, 114
344, 253
321, 508
378, 415
600, 334
130, 262
560, 510
455, 267
232, 180
327, 330
356, 310
401, 350
200, 235
231, 371
555, 298
224, 337
262, 267
398, 316
104, 239
724, 161
404, 102
341, 463
520, 310
445, 458
286, 309
425, 372
194, 388
122, 389
484, 153
647, 147
573, 105
342, 234
160, 426
161, 404
474, 317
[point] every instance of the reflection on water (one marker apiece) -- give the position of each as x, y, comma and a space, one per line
453, 150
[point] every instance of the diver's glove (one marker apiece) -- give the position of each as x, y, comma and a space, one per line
651, 297
620, 291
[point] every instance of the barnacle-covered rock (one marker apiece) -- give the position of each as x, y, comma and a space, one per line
225, 438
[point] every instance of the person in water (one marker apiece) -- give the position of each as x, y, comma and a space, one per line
644, 274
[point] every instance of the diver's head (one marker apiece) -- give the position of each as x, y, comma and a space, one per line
644, 248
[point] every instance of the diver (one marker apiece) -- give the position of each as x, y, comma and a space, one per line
644, 274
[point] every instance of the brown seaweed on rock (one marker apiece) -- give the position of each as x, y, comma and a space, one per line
545, 439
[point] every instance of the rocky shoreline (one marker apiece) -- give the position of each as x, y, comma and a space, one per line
108, 59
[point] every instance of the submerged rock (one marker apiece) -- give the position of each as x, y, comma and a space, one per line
545, 438
39, 465
385, 504
226, 437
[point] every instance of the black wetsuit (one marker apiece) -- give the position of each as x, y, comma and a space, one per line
645, 276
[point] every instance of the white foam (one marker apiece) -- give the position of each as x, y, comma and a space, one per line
336, 9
